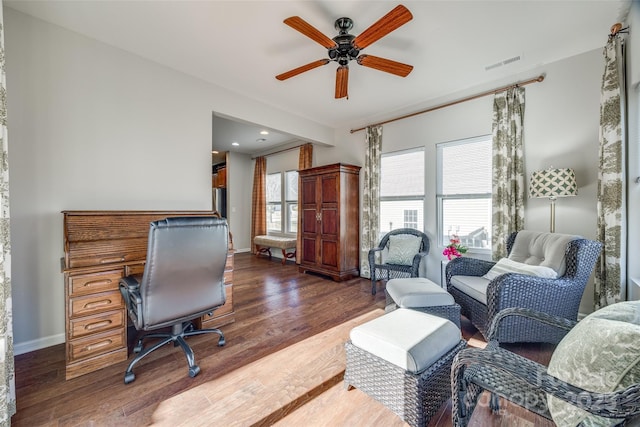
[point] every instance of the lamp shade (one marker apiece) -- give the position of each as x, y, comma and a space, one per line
553, 183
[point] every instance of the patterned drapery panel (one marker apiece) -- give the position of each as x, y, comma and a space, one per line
8, 394
305, 161
259, 201
508, 168
371, 197
611, 269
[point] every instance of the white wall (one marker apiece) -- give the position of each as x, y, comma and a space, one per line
94, 127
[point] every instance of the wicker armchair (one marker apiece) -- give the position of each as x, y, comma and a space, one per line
525, 382
558, 297
384, 270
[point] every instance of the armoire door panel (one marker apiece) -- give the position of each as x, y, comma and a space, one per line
309, 250
329, 223
330, 189
329, 253
309, 221
309, 192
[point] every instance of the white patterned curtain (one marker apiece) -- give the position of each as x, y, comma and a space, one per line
8, 394
508, 168
610, 272
371, 197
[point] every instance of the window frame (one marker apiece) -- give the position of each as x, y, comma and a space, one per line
284, 205
440, 197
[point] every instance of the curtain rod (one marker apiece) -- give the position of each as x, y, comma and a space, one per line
449, 104
281, 151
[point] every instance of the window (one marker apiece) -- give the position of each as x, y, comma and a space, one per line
282, 202
464, 191
402, 190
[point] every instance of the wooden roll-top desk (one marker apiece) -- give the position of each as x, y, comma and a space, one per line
100, 247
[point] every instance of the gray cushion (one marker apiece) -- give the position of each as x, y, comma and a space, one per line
407, 338
402, 249
538, 248
417, 292
600, 354
474, 286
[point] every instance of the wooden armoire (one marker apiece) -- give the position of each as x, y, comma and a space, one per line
330, 219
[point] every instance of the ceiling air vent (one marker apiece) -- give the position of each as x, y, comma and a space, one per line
501, 63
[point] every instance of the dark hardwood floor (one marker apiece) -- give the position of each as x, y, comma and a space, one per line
276, 307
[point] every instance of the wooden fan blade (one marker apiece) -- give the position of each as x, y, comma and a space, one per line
310, 31
342, 81
399, 16
299, 70
386, 65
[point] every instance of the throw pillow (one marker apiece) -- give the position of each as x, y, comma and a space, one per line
505, 265
600, 354
402, 249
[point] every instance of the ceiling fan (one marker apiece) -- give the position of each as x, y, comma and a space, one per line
346, 47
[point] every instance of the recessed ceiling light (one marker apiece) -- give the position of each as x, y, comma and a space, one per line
214, 152
235, 144
264, 132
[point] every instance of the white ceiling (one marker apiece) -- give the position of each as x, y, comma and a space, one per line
243, 45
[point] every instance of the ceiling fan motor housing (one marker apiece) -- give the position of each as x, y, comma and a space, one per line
345, 50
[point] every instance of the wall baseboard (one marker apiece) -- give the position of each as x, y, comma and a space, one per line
40, 343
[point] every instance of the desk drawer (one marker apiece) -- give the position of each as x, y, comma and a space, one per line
91, 304
93, 283
96, 323
95, 344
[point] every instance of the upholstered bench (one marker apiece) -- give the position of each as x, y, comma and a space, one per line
421, 294
265, 243
403, 360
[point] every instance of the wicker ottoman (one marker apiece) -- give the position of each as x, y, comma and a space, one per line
423, 295
403, 360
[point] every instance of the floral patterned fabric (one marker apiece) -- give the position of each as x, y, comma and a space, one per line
7, 386
371, 197
508, 168
610, 270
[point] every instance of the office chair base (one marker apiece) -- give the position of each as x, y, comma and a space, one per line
177, 337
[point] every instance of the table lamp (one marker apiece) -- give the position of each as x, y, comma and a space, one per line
553, 183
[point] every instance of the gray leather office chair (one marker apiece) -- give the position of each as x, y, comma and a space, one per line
182, 280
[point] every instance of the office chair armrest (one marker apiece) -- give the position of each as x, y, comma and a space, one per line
130, 290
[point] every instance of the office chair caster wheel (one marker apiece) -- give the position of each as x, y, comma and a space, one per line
138, 347
129, 377
194, 370
221, 342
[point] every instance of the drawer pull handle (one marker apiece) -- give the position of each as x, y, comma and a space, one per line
98, 345
114, 259
96, 325
98, 283
98, 303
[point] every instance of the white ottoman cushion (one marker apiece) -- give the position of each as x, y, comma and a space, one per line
417, 292
410, 339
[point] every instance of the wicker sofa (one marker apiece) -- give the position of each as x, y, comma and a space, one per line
571, 257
